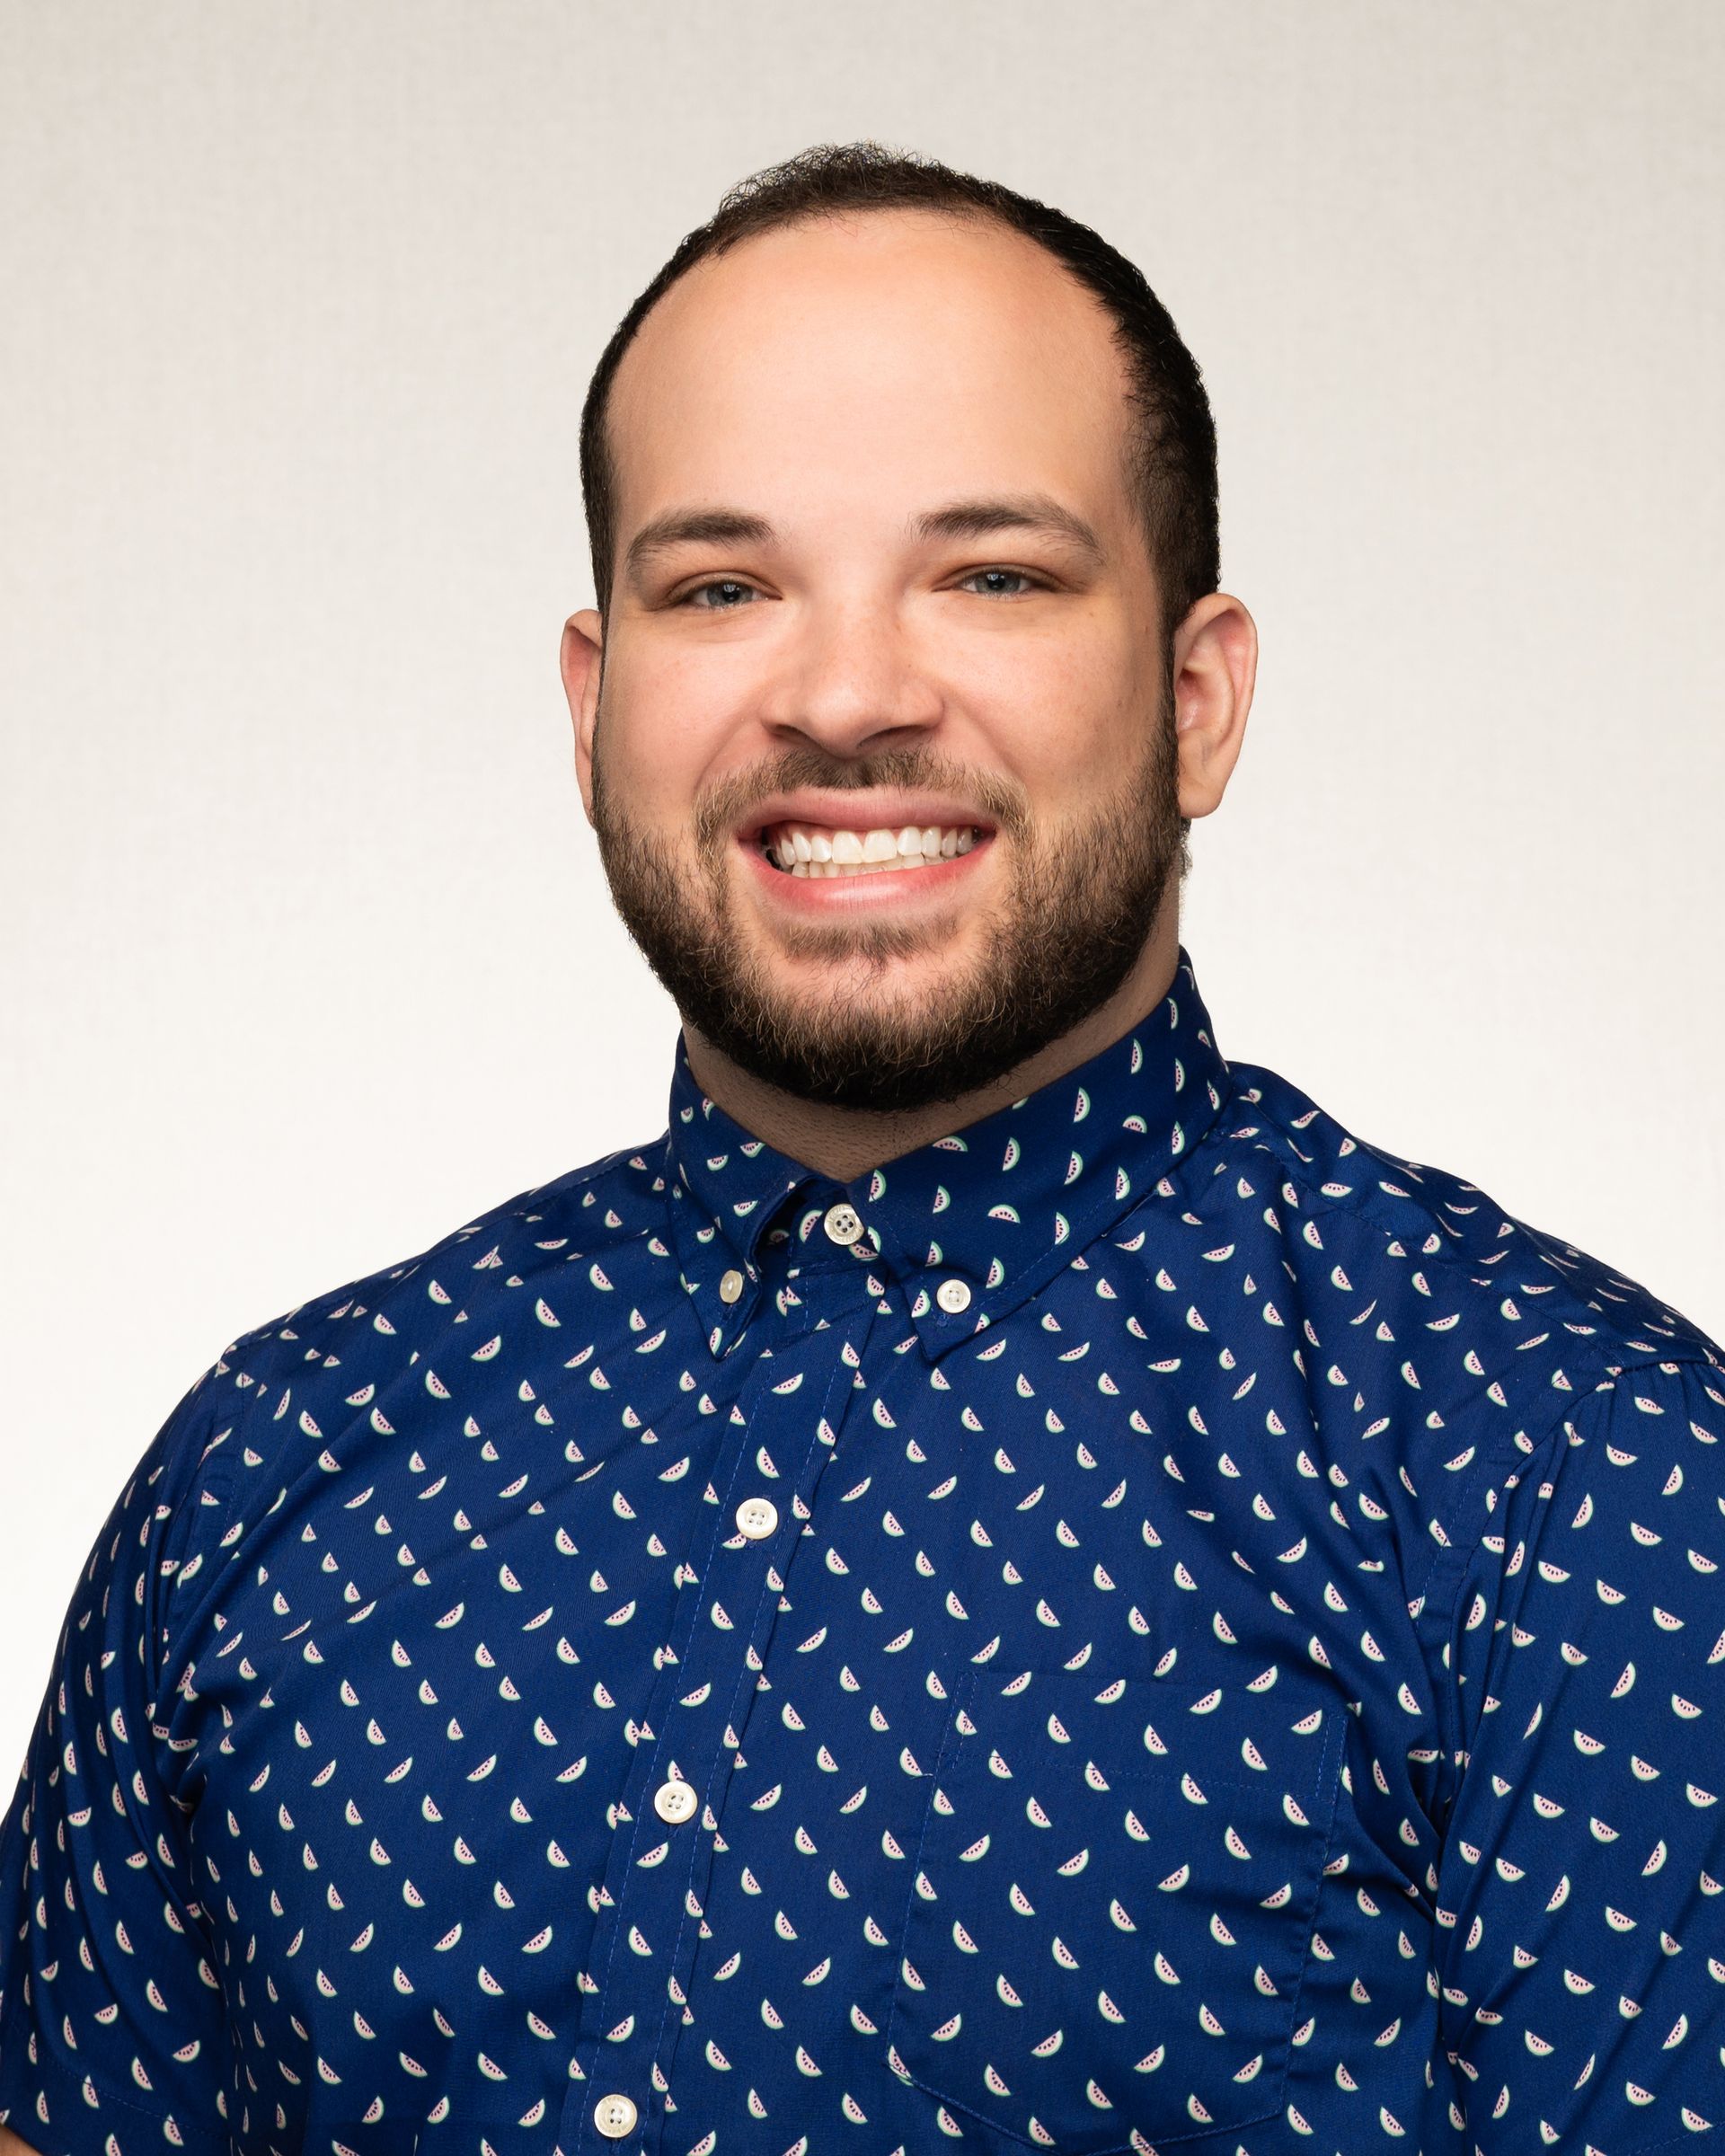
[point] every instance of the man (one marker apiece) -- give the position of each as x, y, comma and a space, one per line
1007, 1582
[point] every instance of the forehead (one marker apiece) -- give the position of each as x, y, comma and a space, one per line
891, 357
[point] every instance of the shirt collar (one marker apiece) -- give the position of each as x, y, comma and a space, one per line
1001, 1205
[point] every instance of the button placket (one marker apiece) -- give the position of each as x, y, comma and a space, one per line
835, 1405
615, 2115
675, 1800
757, 1517
656, 1898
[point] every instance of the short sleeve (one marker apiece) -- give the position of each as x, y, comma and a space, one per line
112, 2013
1581, 1890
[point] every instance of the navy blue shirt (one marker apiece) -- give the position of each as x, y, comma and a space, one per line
1148, 1621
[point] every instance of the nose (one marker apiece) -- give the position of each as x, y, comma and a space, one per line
850, 680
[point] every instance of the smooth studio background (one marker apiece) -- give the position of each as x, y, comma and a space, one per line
308, 955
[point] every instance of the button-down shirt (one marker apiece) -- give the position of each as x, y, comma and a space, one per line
1146, 1621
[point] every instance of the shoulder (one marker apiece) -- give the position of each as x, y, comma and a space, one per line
518, 1245
283, 1397
1420, 1314
1448, 1352
1447, 1251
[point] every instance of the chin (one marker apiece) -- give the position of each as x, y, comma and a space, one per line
890, 987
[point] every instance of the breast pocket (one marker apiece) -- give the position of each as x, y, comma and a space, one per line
1112, 1902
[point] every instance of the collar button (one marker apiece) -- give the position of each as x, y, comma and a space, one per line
730, 1286
953, 1295
843, 1222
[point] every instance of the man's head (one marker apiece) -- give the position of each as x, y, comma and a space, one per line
901, 491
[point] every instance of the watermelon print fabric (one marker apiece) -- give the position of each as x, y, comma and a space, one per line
1148, 1624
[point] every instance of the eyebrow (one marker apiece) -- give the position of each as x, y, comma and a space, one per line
974, 519
695, 527
1038, 513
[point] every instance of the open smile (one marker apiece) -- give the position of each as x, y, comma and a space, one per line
833, 851
821, 850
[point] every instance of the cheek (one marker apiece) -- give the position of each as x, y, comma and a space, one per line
659, 742
1072, 686
1067, 731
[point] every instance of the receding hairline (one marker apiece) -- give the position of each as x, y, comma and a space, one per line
858, 215
855, 214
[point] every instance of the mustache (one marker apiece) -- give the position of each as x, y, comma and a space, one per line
720, 808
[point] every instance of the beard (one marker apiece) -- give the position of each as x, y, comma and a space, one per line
1074, 917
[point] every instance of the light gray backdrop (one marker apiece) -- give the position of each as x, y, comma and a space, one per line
307, 955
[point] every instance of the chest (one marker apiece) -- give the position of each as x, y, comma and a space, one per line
1018, 1696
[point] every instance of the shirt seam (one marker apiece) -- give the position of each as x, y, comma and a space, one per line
1361, 1203
1613, 1376
226, 1457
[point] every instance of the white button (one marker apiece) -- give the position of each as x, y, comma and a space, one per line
843, 1222
953, 1295
756, 1516
730, 1286
674, 1800
615, 2115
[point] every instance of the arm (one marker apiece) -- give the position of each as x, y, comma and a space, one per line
1583, 1998
10, 2144
113, 2018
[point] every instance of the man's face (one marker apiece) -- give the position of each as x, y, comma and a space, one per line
918, 623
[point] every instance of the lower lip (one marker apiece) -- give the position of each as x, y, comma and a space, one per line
862, 893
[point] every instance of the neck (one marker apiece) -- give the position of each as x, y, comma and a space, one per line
845, 1143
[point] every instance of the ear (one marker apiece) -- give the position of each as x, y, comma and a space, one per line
583, 638
1214, 662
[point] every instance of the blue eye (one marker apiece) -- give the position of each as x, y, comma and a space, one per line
1022, 578
728, 584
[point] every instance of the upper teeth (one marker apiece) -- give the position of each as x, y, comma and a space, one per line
813, 850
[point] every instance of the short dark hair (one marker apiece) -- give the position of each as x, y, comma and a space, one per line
1172, 466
